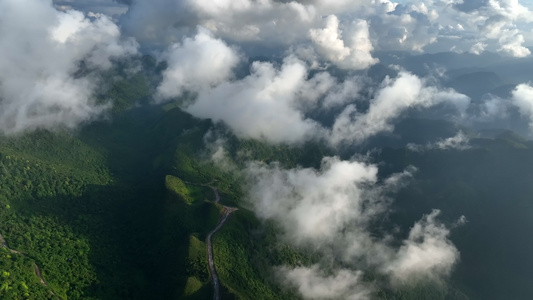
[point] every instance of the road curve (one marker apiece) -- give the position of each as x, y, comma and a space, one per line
226, 212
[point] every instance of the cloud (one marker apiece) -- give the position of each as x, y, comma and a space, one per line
513, 111
511, 43
426, 254
162, 21
263, 105
216, 145
330, 43
270, 25
407, 27
478, 48
195, 65
497, 22
41, 50
331, 210
311, 283
458, 141
311, 205
273, 102
110, 8
158, 23
282, 24
395, 96
522, 97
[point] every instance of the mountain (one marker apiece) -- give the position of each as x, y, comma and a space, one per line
122, 208
476, 84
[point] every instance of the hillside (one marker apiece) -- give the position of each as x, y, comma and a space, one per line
121, 208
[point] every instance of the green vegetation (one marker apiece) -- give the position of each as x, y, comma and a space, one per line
245, 257
490, 185
121, 209
70, 202
177, 186
17, 278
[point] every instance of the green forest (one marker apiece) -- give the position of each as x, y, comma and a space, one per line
120, 209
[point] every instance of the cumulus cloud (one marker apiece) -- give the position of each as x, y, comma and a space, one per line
41, 50
496, 23
478, 48
522, 97
407, 27
265, 25
311, 283
162, 21
330, 43
195, 65
263, 105
282, 24
396, 95
514, 111
330, 210
426, 254
333, 197
273, 102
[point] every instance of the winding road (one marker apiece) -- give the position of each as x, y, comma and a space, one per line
226, 212
36, 268
224, 215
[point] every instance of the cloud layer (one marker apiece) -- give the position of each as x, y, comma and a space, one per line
197, 64
342, 38
272, 102
41, 50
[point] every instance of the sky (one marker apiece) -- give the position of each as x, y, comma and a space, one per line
307, 44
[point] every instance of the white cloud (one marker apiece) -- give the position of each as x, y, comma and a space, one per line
311, 205
458, 141
331, 43
283, 24
162, 21
395, 96
408, 27
40, 50
111, 8
271, 24
426, 254
522, 97
263, 105
311, 283
478, 48
197, 64
511, 43
495, 24
330, 211
272, 102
